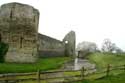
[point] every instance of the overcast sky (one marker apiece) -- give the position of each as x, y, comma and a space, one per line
92, 20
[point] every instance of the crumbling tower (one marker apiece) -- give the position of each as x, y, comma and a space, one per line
19, 29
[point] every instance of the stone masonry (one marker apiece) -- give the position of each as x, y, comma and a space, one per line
70, 40
19, 28
50, 47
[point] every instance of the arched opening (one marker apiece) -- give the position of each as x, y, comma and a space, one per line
66, 42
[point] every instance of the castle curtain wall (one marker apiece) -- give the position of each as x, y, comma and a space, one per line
50, 47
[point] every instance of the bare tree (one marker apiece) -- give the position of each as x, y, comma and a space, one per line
108, 46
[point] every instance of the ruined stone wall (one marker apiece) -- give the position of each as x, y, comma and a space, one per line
70, 40
50, 47
19, 28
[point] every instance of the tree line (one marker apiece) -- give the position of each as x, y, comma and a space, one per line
107, 47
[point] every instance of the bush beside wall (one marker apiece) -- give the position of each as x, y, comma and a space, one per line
3, 51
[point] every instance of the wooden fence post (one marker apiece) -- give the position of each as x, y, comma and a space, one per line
82, 73
38, 76
124, 67
6, 79
108, 70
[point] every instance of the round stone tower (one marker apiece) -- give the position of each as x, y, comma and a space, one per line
19, 29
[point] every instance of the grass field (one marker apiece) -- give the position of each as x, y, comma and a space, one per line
111, 79
42, 64
102, 60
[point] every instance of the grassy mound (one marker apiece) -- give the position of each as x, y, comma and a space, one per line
43, 64
102, 60
111, 79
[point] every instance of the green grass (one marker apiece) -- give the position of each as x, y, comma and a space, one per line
102, 60
111, 79
42, 64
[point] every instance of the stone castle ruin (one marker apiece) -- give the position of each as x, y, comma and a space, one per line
19, 29
70, 40
49, 47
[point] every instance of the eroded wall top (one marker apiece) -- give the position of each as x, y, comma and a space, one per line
70, 41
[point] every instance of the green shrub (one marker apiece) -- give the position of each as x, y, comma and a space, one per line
3, 51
